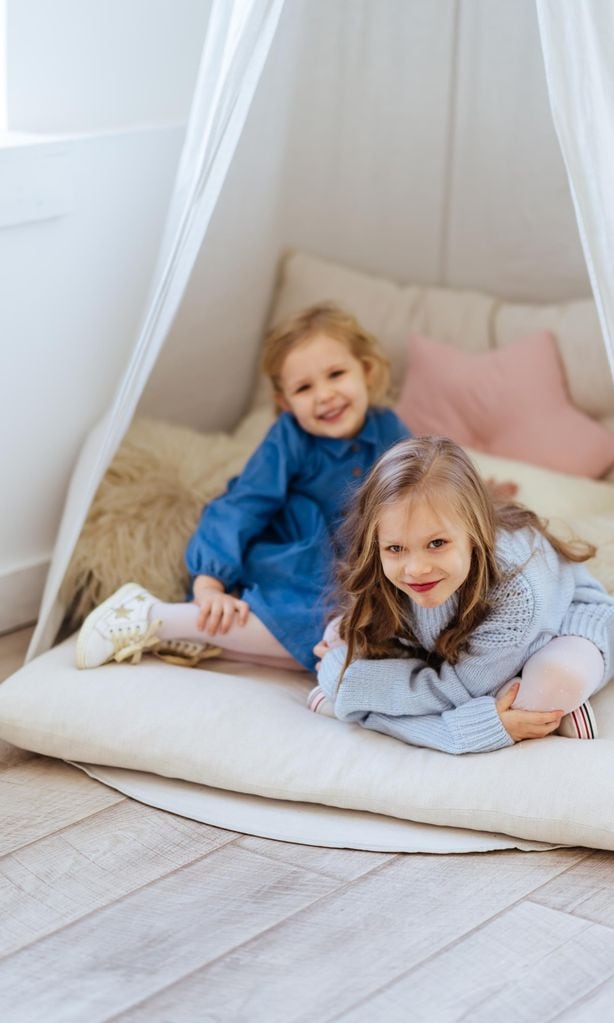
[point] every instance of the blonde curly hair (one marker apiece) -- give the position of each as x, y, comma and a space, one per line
326, 318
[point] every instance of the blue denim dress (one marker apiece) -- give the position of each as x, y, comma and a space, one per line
270, 536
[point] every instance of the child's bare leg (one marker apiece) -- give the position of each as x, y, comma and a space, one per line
250, 642
561, 675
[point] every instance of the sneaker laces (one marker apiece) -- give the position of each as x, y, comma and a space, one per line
130, 642
184, 652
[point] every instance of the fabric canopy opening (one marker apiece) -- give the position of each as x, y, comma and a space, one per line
239, 37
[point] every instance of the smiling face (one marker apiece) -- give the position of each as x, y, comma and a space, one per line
425, 550
325, 387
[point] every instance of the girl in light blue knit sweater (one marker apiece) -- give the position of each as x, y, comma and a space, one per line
448, 597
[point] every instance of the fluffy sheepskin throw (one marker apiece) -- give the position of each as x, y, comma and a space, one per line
150, 499
147, 506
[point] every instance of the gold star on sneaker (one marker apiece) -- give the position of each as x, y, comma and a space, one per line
122, 612
140, 596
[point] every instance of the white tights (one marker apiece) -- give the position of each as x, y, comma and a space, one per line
560, 676
250, 642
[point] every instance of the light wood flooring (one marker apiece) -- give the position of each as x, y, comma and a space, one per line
110, 910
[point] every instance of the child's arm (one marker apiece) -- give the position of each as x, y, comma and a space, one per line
230, 522
497, 652
473, 728
408, 686
479, 726
408, 700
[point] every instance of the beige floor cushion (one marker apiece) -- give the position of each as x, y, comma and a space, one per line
246, 730
249, 731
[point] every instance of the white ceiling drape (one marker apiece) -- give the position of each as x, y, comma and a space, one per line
238, 40
577, 38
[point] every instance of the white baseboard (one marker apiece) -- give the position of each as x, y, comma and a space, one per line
21, 590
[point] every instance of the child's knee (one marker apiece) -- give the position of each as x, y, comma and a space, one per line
563, 674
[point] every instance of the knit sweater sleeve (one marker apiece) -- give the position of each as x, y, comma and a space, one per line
409, 686
591, 615
387, 696
231, 521
455, 703
475, 727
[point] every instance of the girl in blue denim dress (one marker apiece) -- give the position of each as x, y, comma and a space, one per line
262, 557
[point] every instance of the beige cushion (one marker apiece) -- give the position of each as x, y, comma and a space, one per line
469, 320
255, 735
247, 730
390, 311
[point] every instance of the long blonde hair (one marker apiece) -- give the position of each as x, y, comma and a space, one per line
329, 319
374, 611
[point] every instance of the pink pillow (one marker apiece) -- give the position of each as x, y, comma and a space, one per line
511, 402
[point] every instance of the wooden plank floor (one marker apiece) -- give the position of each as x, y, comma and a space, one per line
111, 910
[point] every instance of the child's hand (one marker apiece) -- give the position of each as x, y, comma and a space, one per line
329, 640
218, 610
525, 724
320, 650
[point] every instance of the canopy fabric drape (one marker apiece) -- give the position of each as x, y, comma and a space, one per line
238, 40
577, 42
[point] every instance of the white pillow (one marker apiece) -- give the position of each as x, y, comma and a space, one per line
247, 729
255, 735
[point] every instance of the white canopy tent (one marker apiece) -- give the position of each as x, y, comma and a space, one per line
402, 147
409, 139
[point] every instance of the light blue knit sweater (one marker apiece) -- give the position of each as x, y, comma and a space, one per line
452, 708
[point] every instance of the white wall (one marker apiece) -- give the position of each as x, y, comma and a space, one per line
80, 220
71, 292
423, 148
86, 65
3, 114
511, 226
367, 153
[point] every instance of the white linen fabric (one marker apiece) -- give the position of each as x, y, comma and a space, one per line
248, 730
244, 729
577, 41
301, 823
239, 36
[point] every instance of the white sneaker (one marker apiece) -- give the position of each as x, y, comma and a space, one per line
119, 629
